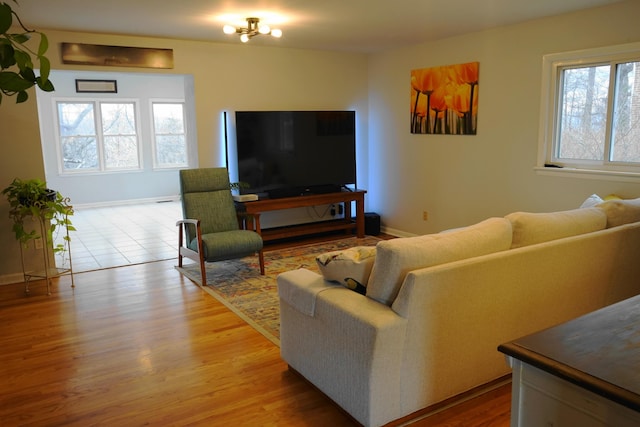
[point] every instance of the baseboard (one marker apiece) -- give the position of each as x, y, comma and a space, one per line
396, 233
174, 198
450, 402
10, 279
430, 410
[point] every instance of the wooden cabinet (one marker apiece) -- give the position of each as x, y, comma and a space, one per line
585, 372
255, 208
541, 399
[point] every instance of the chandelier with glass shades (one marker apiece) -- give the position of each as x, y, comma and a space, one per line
252, 29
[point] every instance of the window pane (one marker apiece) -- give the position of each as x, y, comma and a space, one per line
626, 114
78, 141
168, 118
118, 119
121, 151
583, 113
171, 150
170, 137
76, 119
79, 153
120, 138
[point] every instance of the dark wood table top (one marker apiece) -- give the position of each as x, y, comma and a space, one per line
599, 352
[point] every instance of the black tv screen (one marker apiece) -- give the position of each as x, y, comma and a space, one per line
290, 153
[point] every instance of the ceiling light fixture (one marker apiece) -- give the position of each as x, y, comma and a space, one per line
252, 29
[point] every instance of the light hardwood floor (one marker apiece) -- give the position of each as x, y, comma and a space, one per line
142, 345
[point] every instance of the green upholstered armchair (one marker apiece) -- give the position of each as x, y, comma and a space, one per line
210, 230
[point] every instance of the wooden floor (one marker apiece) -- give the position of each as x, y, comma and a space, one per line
142, 345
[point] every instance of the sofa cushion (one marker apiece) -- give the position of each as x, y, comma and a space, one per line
620, 211
350, 267
396, 257
531, 228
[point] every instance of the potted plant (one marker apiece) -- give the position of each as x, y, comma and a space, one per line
235, 187
32, 198
16, 63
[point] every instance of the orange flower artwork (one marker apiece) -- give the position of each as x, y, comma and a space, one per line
444, 100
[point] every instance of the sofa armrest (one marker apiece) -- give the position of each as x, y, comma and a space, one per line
337, 301
351, 348
300, 288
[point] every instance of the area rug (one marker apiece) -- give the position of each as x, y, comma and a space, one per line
239, 286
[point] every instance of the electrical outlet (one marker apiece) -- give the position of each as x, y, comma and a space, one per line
38, 243
425, 215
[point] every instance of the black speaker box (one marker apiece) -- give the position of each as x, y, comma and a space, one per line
371, 223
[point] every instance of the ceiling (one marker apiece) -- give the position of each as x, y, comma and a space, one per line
341, 25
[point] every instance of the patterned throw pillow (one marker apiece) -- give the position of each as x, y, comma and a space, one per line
350, 267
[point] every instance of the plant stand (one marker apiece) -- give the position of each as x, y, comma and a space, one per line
50, 269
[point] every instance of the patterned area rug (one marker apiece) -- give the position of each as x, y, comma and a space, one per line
239, 286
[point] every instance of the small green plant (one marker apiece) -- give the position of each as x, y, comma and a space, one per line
237, 186
16, 64
32, 198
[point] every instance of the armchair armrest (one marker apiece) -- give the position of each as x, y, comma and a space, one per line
182, 229
195, 222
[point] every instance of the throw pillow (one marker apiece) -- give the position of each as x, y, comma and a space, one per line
591, 201
620, 211
532, 228
350, 267
396, 257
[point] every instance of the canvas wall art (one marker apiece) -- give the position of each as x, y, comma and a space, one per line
116, 56
444, 100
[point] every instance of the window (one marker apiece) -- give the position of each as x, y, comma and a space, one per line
98, 136
169, 135
591, 118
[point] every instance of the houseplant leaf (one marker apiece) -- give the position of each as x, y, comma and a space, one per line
44, 45
15, 53
5, 17
46, 86
7, 58
12, 82
22, 97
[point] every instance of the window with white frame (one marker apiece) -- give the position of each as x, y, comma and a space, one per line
591, 109
97, 136
170, 139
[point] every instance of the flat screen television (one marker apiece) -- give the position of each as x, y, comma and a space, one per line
292, 153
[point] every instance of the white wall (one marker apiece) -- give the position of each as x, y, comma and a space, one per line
460, 180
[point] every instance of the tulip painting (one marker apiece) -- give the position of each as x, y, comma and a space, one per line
444, 100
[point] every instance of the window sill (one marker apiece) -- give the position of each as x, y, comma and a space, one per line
589, 174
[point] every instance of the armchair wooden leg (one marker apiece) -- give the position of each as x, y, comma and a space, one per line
203, 272
180, 237
261, 260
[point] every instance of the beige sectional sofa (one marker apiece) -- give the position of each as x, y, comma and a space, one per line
436, 307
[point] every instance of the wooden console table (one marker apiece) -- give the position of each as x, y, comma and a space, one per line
257, 207
585, 372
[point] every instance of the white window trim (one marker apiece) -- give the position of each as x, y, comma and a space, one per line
101, 170
152, 131
551, 63
139, 136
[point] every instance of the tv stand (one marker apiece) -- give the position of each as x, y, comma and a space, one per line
255, 208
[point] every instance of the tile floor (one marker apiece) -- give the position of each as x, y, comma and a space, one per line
108, 237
